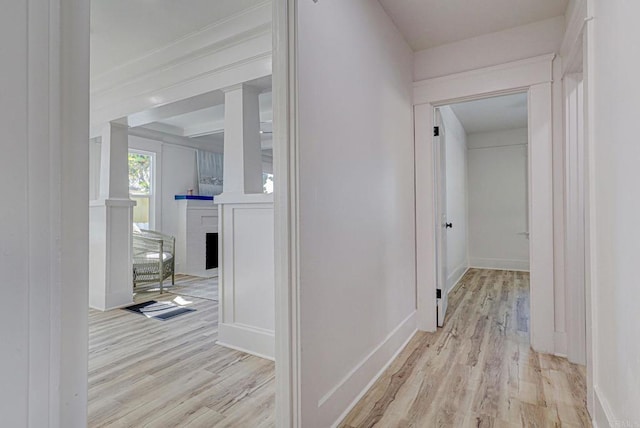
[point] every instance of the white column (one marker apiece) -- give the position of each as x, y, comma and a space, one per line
245, 223
110, 225
242, 151
114, 166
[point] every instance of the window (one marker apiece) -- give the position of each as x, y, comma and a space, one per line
141, 188
267, 182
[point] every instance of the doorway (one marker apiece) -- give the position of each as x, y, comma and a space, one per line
481, 147
533, 76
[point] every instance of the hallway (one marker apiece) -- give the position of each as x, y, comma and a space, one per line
479, 369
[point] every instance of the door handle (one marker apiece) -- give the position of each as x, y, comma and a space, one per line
448, 225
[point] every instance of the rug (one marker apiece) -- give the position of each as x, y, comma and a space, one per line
158, 310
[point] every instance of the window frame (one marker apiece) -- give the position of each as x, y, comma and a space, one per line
153, 188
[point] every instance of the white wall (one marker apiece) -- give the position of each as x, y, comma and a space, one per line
498, 199
491, 49
456, 190
357, 242
613, 94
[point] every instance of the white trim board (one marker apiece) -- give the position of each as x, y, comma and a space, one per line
252, 341
459, 281
403, 333
45, 227
456, 275
535, 77
286, 214
603, 416
499, 264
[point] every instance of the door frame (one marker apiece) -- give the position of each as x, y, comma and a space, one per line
286, 213
534, 76
440, 206
576, 224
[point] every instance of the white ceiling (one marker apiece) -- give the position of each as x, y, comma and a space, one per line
122, 30
189, 123
210, 120
493, 114
429, 23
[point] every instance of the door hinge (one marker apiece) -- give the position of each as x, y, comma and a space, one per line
438, 293
436, 131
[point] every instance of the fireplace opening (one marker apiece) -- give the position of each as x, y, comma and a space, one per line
211, 260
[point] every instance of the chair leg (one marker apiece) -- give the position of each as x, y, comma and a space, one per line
161, 285
173, 278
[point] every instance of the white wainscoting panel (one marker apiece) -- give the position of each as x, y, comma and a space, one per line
246, 277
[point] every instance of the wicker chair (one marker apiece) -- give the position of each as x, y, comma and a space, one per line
153, 258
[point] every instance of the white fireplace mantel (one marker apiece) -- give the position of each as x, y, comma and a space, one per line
196, 218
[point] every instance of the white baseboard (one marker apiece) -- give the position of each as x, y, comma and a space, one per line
603, 416
454, 279
113, 301
499, 264
358, 381
246, 351
258, 342
201, 273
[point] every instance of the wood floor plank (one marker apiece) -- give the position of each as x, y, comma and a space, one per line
147, 372
478, 370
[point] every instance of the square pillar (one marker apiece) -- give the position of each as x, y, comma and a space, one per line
242, 150
111, 224
245, 223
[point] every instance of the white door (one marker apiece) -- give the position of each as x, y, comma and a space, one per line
441, 217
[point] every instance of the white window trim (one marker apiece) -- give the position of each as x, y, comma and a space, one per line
154, 147
154, 200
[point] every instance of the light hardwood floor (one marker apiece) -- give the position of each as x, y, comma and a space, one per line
150, 373
192, 286
477, 371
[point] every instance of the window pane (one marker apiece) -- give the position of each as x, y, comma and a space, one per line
141, 214
139, 174
140, 188
267, 182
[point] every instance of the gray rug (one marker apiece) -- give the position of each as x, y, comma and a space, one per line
158, 310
